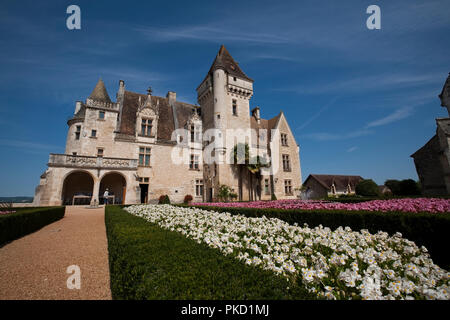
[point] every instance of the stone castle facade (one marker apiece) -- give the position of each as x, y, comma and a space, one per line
143, 146
433, 159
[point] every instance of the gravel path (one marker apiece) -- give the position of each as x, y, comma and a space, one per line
34, 267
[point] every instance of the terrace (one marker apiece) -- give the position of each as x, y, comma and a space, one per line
76, 161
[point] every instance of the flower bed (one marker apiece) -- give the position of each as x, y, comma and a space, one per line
340, 264
430, 205
6, 212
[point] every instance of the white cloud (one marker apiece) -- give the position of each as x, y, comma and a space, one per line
399, 114
324, 136
352, 149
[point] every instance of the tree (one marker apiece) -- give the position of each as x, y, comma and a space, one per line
242, 159
367, 188
394, 186
224, 192
409, 187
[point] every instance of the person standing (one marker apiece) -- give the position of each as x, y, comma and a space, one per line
105, 196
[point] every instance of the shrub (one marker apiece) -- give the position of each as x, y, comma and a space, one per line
188, 198
224, 192
394, 185
409, 187
425, 229
148, 262
367, 188
164, 199
273, 197
25, 221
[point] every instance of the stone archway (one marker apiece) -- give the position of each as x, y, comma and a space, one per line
116, 184
77, 188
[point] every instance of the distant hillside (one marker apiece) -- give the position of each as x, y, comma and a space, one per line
17, 199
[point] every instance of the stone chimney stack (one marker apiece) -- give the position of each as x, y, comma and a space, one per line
172, 96
77, 107
255, 113
121, 88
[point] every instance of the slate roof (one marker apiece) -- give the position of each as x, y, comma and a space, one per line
79, 115
225, 61
445, 88
99, 93
431, 144
264, 124
340, 181
166, 122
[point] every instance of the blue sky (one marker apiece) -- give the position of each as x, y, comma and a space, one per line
358, 101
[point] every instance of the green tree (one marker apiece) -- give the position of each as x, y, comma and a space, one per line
394, 185
224, 193
253, 165
367, 188
409, 187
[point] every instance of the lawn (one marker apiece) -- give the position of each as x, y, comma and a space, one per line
149, 262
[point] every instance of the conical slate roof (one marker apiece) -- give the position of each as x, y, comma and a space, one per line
99, 93
225, 61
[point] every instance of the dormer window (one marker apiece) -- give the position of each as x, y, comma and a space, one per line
146, 127
284, 139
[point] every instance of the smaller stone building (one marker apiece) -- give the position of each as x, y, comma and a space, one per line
324, 185
432, 161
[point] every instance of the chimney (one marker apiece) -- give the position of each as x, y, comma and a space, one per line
255, 113
121, 91
77, 107
172, 96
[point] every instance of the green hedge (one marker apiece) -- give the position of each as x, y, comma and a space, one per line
427, 229
27, 220
148, 262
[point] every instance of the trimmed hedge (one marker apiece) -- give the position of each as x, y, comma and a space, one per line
425, 229
148, 262
27, 220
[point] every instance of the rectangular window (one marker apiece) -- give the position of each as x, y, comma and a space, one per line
146, 179
100, 152
101, 115
266, 186
198, 187
77, 133
286, 163
194, 162
74, 153
94, 133
235, 107
287, 187
284, 141
146, 127
192, 133
144, 156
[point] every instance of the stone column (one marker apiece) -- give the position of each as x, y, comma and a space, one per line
94, 199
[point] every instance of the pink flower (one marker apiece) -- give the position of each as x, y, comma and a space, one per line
432, 205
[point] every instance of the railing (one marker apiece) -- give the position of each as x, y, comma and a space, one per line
5, 206
65, 160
